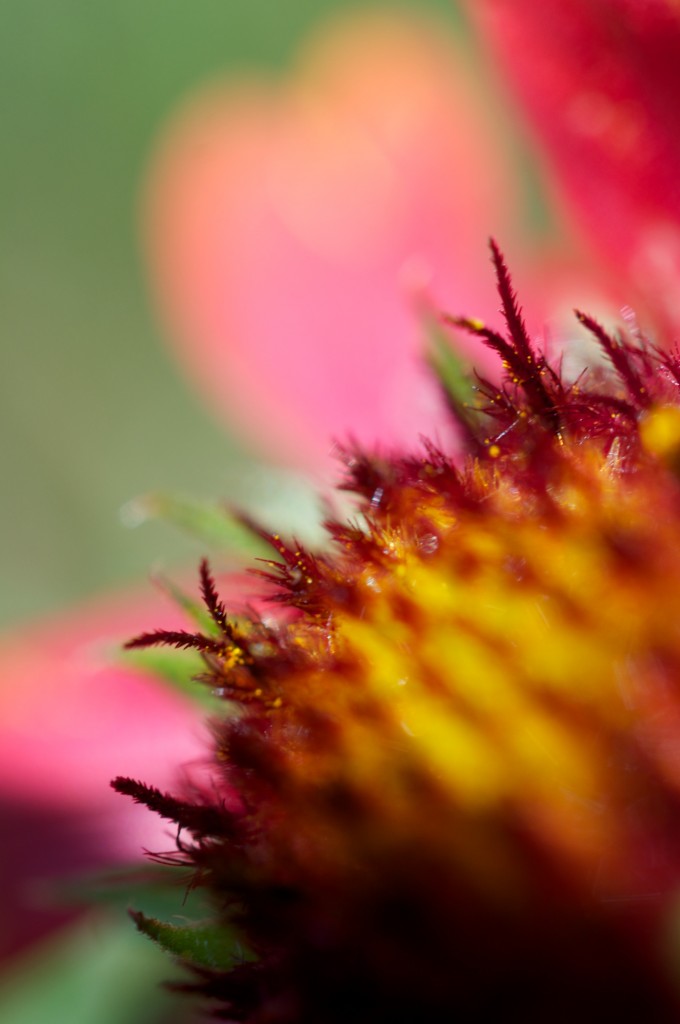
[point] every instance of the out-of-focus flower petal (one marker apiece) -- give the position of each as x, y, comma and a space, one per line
291, 228
69, 714
600, 83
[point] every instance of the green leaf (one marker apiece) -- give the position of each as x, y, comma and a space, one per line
199, 943
210, 523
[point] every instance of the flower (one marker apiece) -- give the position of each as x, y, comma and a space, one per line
447, 782
399, 196
248, 325
70, 713
599, 83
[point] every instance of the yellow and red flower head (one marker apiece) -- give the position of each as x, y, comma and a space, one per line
448, 781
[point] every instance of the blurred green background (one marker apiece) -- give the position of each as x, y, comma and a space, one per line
93, 411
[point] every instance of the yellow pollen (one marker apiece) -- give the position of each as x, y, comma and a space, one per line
660, 431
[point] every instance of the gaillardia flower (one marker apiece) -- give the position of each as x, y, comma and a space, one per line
446, 785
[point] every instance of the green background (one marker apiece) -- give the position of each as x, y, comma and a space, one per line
92, 411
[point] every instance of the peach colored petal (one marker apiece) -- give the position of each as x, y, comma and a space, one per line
291, 227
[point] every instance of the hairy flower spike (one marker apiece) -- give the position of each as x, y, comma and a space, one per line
448, 783
216, 609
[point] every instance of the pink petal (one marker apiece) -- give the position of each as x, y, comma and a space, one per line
71, 719
600, 83
293, 228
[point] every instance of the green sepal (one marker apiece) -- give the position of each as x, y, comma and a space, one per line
154, 887
195, 943
212, 524
195, 610
178, 669
453, 374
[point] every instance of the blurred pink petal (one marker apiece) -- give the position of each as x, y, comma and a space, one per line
71, 717
601, 85
291, 229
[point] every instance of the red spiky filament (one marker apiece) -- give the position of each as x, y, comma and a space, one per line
448, 785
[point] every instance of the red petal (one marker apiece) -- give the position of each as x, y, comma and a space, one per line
601, 82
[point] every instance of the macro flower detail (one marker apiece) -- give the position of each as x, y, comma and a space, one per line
446, 784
